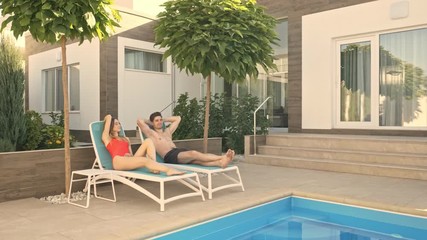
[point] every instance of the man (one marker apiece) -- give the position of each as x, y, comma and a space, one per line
162, 139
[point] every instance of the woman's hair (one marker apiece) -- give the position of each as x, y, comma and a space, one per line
112, 126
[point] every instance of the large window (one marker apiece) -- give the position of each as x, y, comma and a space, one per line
141, 60
53, 95
384, 80
403, 78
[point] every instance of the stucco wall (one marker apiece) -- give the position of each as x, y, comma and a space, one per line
319, 32
87, 56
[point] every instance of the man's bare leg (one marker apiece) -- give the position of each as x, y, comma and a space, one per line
208, 159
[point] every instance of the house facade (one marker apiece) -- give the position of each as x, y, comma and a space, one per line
348, 67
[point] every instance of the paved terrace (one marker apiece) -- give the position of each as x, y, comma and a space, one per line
135, 216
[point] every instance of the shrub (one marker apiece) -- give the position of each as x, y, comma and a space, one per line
242, 122
190, 112
33, 124
12, 121
230, 118
53, 135
6, 145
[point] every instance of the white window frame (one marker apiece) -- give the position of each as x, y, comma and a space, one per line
56, 94
375, 42
373, 39
165, 63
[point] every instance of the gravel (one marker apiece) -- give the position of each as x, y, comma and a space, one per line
62, 198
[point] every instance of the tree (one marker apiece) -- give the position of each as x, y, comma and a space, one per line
12, 120
230, 38
55, 22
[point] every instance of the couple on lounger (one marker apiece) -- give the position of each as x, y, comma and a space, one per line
158, 139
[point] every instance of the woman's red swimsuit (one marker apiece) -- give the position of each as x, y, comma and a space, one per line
117, 147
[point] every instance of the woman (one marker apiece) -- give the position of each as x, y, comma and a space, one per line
121, 153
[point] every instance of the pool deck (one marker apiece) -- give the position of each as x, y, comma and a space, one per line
135, 216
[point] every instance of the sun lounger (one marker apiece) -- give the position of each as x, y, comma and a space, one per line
230, 173
103, 162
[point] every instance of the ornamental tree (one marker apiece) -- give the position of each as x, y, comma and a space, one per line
55, 22
230, 38
12, 120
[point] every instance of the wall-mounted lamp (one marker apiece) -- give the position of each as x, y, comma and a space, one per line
58, 56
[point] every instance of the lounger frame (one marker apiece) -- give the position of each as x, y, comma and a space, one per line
103, 163
230, 173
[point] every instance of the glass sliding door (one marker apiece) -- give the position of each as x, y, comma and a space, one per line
355, 82
403, 79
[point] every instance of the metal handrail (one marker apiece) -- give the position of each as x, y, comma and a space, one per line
168, 105
255, 122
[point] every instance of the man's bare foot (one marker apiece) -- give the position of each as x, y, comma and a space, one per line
173, 171
229, 156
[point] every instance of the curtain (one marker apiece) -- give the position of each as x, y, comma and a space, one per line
403, 80
355, 105
141, 60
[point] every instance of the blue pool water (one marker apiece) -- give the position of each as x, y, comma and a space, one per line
295, 218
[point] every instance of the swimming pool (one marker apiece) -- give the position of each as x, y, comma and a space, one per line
297, 218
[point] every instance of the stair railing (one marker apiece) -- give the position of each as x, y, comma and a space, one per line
168, 106
255, 121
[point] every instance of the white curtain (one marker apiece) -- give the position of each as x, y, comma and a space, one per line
141, 60
403, 79
355, 82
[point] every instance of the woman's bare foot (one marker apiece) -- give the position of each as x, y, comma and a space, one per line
173, 171
228, 157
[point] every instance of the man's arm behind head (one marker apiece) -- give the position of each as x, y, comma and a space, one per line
145, 126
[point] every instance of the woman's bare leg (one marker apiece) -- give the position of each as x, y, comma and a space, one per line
147, 148
130, 163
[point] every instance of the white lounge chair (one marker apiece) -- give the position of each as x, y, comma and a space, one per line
103, 162
234, 180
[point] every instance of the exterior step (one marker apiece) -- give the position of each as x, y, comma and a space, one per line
400, 157
386, 170
406, 159
381, 144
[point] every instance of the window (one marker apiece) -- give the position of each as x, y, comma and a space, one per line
355, 76
403, 78
53, 96
141, 60
383, 80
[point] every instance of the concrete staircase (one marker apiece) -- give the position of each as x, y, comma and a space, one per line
401, 157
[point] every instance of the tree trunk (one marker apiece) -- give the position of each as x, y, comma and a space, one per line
66, 115
207, 110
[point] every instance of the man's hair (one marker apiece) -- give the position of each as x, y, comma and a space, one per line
154, 115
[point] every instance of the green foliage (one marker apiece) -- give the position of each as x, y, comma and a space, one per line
50, 20
12, 121
53, 135
242, 122
57, 118
6, 145
228, 37
190, 112
33, 123
216, 115
231, 119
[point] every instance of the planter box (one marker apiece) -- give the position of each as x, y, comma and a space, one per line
41, 173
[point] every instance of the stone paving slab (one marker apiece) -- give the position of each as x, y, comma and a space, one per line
135, 216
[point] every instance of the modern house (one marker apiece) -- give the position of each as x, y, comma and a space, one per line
351, 67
